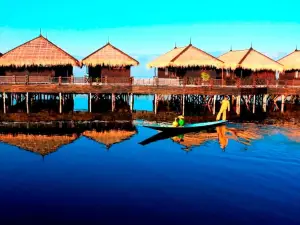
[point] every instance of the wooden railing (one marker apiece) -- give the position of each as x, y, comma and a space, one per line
173, 82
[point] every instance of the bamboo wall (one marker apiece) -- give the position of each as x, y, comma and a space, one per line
63, 71
99, 71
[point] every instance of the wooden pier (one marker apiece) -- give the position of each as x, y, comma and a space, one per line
121, 91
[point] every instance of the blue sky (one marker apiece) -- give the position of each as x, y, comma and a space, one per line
145, 29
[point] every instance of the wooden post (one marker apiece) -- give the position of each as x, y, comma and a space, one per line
60, 103
90, 102
27, 103
59, 80
183, 104
254, 105
282, 103
238, 104
113, 102
131, 102
214, 104
222, 78
155, 104
4, 106
265, 102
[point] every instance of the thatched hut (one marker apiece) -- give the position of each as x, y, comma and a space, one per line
109, 61
40, 144
187, 61
110, 137
37, 57
249, 62
291, 64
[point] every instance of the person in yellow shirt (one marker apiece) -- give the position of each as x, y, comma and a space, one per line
224, 107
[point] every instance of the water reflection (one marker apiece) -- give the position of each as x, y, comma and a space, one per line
46, 138
220, 133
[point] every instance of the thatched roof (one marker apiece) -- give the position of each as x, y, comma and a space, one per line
249, 59
38, 52
188, 56
110, 137
41, 144
109, 55
291, 61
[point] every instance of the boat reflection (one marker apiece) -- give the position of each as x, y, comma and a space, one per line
220, 133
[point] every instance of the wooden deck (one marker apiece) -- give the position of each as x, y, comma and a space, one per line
81, 85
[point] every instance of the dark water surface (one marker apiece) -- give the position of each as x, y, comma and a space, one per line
163, 182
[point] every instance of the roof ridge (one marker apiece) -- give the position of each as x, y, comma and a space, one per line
51, 43
238, 50
245, 56
181, 52
117, 49
60, 49
190, 45
267, 57
288, 55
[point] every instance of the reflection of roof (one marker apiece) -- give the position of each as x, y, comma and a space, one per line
109, 55
188, 56
110, 137
293, 134
249, 59
38, 51
41, 144
291, 61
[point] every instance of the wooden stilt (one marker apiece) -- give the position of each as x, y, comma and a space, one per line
265, 98
214, 104
27, 102
60, 103
90, 102
282, 103
113, 102
155, 104
131, 102
4, 106
238, 105
183, 104
254, 104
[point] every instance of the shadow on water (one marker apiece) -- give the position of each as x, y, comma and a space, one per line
220, 133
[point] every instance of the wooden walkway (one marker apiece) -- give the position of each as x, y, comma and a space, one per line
82, 85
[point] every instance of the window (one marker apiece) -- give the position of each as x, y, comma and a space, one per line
297, 74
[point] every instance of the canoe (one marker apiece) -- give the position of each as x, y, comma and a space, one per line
186, 127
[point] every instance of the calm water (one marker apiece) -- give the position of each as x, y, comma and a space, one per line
160, 183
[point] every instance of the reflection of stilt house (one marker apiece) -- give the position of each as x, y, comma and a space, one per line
109, 62
37, 57
291, 64
249, 62
110, 137
41, 144
185, 62
244, 136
